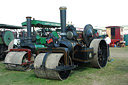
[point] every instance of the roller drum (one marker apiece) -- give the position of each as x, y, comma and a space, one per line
13, 61
53, 60
100, 53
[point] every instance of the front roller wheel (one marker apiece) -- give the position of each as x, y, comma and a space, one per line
53, 60
13, 61
100, 53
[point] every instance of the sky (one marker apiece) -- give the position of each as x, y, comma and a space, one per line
79, 12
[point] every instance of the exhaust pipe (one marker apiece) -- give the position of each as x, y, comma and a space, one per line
29, 29
63, 22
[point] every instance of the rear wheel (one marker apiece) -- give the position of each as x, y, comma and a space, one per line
100, 53
27, 67
102, 57
66, 73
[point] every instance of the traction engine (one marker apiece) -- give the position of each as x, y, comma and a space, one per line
57, 60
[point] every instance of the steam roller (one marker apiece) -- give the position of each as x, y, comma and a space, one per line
6, 37
63, 55
22, 57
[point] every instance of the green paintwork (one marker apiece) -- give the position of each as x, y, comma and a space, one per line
43, 40
39, 23
55, 34
40, 40
8, 36
37, 46
37, 39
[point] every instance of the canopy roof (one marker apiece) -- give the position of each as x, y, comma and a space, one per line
43, 24
5, 26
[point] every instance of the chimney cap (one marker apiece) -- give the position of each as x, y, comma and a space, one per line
28, 17
63, 8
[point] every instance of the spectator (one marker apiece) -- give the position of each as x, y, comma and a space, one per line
108, 41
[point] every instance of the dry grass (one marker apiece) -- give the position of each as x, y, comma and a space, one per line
115, 73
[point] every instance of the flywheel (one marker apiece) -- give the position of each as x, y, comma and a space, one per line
88, 34
7, 37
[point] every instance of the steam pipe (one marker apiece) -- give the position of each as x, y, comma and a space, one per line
34, 28
29, 29
63, 22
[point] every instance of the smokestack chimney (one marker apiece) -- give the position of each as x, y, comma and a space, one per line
29, 29
63, 22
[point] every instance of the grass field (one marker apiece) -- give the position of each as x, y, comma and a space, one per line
115, 73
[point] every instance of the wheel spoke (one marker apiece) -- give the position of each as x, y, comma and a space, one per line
100, 48
101, 55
